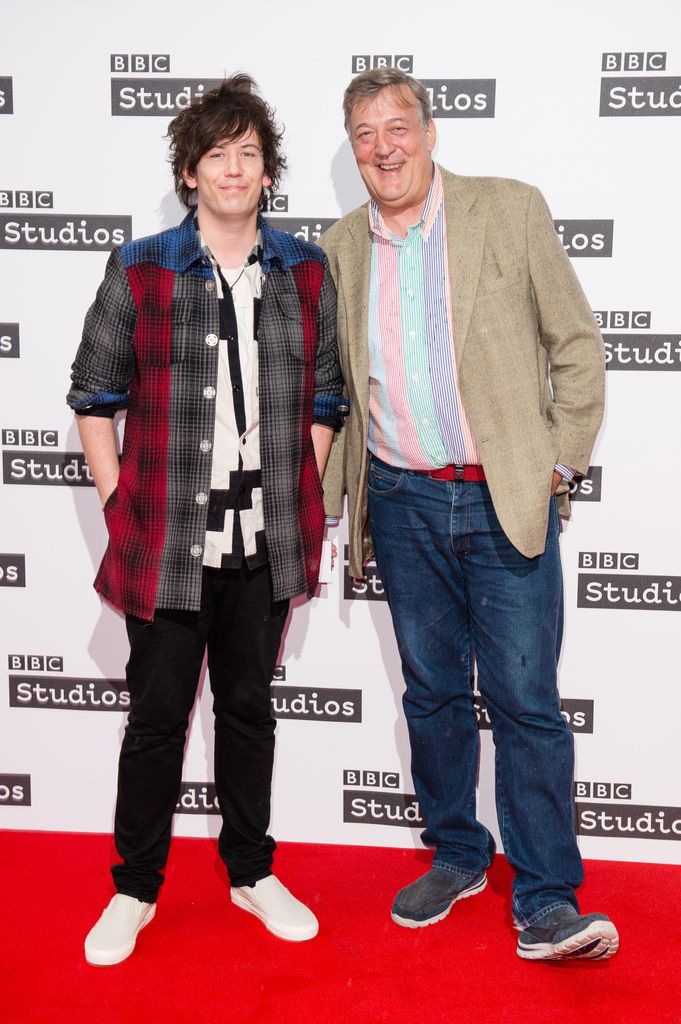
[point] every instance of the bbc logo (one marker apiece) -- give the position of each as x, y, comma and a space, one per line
623, 319
26, 199
12, 437
602, 790
374, 780
365, 62
652, 61
35, 663
276, 202
140, 63
626, 560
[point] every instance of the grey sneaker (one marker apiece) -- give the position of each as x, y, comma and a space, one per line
432, 896
566, 935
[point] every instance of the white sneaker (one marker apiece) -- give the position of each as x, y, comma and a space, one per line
113, 937
281, 913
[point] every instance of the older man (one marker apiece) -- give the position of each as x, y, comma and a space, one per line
475, 372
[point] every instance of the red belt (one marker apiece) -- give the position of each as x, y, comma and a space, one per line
468, 473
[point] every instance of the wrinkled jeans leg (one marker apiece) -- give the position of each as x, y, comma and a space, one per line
516, 610
410, 518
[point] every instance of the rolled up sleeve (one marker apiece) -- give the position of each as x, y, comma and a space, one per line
105, 361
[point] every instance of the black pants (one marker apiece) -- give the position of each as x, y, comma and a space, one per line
242, 627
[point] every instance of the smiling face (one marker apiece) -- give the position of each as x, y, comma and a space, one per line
393, 152
229, 179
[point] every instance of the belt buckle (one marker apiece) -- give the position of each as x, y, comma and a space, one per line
459, 472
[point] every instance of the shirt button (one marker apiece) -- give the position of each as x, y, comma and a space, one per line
236, 387
211, 339
410, 293
425, 423
210, 286
412, 334
415, 378
206, 446
209, 392
196, 550
230, 337
201, 498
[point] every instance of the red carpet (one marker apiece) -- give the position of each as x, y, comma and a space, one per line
203, 961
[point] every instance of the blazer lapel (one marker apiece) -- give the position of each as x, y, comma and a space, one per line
466, 211
355, 277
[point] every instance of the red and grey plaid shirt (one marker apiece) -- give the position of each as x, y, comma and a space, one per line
150, 343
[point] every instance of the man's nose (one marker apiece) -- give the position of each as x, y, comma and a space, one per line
232, 167
384, 144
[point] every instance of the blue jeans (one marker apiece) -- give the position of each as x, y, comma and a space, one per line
458, 589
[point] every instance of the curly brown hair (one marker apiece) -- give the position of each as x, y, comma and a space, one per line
227, 112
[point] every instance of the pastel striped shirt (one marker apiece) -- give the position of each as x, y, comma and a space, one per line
416, 418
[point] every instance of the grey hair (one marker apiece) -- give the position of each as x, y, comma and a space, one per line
368, 84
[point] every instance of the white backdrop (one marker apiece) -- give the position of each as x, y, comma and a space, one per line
584, 104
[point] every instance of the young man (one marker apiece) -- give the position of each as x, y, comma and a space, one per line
219, 337
475, 371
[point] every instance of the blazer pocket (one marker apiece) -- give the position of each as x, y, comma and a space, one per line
492, 282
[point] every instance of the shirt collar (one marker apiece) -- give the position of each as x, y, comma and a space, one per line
430, 210
271, 251
255, 255
190, 251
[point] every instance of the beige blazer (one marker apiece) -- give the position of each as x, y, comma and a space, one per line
529, 354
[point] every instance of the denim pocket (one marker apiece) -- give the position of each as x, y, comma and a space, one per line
383, 479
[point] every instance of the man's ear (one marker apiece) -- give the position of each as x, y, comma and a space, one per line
431, 134
189, 179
